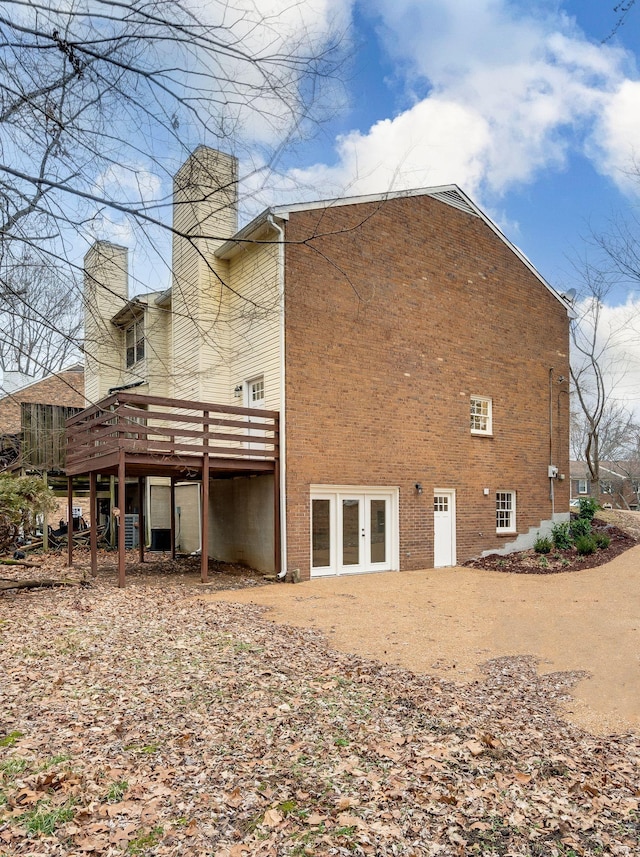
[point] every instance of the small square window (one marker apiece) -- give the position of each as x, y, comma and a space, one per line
505, 511
480, 415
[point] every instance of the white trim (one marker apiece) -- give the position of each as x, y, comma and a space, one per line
442, 193
489, 415
451, 493
334, 493
283, 399
514, 527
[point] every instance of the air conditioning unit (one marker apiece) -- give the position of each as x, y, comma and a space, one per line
131, 531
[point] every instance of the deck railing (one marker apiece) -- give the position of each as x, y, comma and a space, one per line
177, 430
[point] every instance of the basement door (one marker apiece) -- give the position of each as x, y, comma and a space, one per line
444, 528
353, 531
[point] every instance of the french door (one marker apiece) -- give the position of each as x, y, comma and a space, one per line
353, 530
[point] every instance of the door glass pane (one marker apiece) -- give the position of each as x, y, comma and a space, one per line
350, 532
378, 531
320, 533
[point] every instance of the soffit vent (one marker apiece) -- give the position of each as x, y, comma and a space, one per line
454, 198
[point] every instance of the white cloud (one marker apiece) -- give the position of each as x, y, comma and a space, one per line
133, 184
617, 138
273, 47
619, 342
510, 95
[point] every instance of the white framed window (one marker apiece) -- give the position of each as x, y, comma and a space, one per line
481, 422
256, 393
606, 486
134, 342
505, 511
582, 486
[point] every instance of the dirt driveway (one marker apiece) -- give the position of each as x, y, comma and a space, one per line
449, 621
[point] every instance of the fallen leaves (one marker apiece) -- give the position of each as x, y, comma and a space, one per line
146, 722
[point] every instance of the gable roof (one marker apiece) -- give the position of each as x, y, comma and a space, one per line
257, 230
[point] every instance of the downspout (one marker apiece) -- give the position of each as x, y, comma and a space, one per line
551, 492
283, 421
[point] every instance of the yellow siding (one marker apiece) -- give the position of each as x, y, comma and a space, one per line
254, 321
204, 204
157, 355
106, 288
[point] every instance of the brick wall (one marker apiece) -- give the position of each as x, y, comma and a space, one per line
64, 388
410, 307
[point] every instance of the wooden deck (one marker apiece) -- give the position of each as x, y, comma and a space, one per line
128, 434
159, 436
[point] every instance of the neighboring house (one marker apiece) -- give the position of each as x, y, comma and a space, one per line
415, 356
32, 424
32, 418
619, 483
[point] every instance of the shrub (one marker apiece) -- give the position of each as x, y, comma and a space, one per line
588, 508
580, 527
585, 545
602, 540
542, 544
21, 499
561, 536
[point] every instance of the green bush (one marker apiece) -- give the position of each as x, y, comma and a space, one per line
542, 544
560, 536
602, 540
580, 527
585, 545
21, 499
588, 508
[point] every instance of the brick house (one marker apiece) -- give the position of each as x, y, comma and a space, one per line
619, 483
417, 359
54, 398
32, 429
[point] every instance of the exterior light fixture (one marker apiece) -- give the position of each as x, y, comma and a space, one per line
418, 487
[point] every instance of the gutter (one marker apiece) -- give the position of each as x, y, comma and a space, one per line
283, 422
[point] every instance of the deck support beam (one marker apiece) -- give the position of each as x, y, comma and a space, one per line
173, 517
93, 523
69, 521
204, 545
141, 526
121, 508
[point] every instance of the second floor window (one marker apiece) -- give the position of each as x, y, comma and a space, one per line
582, 486
134, 338
480, 415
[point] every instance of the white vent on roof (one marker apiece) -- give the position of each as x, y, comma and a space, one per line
452, 197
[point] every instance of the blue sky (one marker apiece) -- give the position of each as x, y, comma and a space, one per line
528, 106
532, 108
525, 106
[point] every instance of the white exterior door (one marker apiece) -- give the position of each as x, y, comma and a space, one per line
353, 530
444, 528
254, 398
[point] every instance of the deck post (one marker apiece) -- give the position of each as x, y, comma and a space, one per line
45, 518
141, 526
70, 521
173, 517
93, 523
204, 542
121, 507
